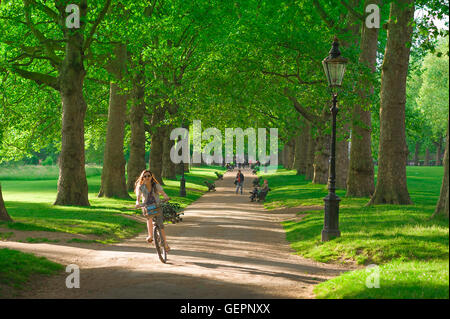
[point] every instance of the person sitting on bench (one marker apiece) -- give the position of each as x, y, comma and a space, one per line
263, 191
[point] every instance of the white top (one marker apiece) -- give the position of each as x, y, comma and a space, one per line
143, 193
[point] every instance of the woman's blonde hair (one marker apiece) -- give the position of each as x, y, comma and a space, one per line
140, 180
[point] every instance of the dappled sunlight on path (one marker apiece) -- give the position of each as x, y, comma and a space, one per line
226, 247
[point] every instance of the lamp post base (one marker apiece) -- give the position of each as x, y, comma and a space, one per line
331, 218
182, 187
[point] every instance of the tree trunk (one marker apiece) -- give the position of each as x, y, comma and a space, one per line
360, 181
416, 154
298, 156
136, 161
442, 204
309, 174
113, 173
321, 158
3, 213
303, 152
72, 182
438, 152
169, 168
282, 155
391, 185
290, 153
156, 154
342, 163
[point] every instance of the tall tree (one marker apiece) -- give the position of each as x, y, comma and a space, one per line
136, 161
360, 182
55, 58
442, 205
113, 182
3, 213
391, 185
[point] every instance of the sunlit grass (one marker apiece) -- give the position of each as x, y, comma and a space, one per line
30, 204
376, 234
39, 172
16, 268
397, 280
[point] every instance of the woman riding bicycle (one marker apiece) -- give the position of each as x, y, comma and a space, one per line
148, 189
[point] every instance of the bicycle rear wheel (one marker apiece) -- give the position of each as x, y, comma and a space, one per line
160, 244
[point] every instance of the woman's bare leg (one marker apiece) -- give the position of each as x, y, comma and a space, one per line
150, 227
163, 233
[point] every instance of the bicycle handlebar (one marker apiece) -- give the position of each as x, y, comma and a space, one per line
157, 206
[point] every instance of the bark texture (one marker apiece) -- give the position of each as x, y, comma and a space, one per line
290, 153
303, 151
298, 155
342, 163
136, 161
391, 185
4, 216
360, 181
442, 205
169, 168
113, 173
321, 158
438, 152
156, 152
72, 183
309, 174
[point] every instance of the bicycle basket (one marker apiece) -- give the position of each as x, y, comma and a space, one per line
152, 210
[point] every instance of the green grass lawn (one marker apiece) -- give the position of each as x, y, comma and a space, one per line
400, 239
16, 268
30, 204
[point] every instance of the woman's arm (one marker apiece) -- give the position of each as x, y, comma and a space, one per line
161, 192
138, 196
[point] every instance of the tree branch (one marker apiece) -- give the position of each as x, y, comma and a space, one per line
52, 14
302, 110
288, 76
54, 59
99, 19
325, 17
352, 11
39, 78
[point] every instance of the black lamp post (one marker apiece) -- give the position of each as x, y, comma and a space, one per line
334, 67
182, 181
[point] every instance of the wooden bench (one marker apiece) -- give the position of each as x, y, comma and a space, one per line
262, 195
211, 187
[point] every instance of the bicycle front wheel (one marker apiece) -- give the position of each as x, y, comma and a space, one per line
160, 244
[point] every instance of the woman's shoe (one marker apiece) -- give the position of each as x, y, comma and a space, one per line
149, 239
167, 248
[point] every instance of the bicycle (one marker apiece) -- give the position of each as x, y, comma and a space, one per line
160, 244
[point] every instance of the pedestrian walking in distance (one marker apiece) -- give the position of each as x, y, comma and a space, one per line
239, 181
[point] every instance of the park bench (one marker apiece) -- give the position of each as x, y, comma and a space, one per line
211, 187
254, 194
262, 195
219, 176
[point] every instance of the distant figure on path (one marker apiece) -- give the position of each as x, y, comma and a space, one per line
265, 186
148, 189
239, 181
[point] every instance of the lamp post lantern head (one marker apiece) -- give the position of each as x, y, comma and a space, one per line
334, 65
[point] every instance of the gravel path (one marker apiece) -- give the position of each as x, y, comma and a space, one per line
226, 247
